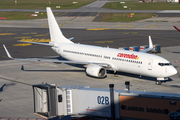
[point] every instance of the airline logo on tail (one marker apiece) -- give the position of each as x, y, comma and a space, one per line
130, 56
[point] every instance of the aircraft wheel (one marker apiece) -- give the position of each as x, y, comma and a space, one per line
158, 82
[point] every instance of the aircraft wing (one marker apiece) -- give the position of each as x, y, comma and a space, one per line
47, 44
56, 61
150, 48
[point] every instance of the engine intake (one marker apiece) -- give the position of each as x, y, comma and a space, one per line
96, 71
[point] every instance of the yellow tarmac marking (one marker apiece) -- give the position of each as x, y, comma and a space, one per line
95, 16
104, 41
34, 33
151, 26
63, 14
8, 34
105, 28
98, 29
36, 40
22, 37
45, 25
134, 32
5, 57
40, 35
68, 21
120, 28
61, 25
22, 44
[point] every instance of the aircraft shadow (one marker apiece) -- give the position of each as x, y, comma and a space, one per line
176, 52
176, 86
176, 66
54, 70
7, 85
1, 89
117, 73
138, 76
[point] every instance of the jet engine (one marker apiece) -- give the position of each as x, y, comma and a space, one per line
96, 71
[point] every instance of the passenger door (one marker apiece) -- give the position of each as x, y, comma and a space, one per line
150, 62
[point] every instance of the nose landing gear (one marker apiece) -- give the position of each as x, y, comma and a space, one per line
158, 82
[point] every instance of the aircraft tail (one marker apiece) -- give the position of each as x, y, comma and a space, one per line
177, 28
55, 32
150, 48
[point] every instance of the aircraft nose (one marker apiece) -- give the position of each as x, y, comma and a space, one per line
173, 71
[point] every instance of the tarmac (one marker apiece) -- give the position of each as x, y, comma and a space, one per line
15, 80
16, 96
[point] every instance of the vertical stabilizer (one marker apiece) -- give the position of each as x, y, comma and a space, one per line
55, 32
150, 43
177, 28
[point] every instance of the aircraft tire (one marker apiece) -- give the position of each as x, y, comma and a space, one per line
158, 82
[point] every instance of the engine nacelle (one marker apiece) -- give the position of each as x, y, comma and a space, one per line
96, 71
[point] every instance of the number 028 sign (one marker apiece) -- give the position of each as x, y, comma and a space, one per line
104, 100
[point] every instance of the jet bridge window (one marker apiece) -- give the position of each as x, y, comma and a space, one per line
164, 64
59, 98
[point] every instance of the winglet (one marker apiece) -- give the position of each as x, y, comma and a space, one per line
177, 28
7, 52
150, 43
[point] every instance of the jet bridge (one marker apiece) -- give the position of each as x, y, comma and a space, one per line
51, 101
45, 100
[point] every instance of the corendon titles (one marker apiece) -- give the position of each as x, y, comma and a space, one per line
130, 56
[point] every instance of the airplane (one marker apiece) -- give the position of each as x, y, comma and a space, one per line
97, 60
177, 28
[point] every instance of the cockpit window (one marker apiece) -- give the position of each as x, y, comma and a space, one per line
164, 64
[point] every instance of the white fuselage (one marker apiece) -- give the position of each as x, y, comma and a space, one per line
120, 60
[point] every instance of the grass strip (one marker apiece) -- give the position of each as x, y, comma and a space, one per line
42, 4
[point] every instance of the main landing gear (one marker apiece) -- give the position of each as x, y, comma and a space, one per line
158, 82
